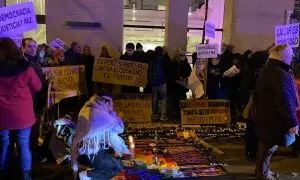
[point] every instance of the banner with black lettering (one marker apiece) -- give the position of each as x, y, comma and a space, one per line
16, 19
66, 81
205, 112
135, 108
114, 71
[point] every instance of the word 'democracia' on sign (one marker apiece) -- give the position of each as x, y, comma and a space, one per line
207, 50
287, 34
16, 19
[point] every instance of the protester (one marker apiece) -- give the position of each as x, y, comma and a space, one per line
214, 78
130, 55
140, 53
97, 130
40, 98
158, 75
275, 120
73, 55
104, 52
233, 83
18, 81
57, 59
88, 61
30, 52
42, 54
226, 62
181, 70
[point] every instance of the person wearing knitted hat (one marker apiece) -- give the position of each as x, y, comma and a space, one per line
98, 130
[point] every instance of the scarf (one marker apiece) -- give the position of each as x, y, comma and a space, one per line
97, 129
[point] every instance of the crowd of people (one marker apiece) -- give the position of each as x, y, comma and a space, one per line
231, 76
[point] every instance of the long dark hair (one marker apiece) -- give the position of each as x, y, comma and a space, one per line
11, 59
10, 54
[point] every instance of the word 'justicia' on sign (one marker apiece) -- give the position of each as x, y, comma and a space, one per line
14, 14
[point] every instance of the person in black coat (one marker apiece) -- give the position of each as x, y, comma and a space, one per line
181, 71
88, 61
73, 56
226, 61
275, 119
214, 78
130, 55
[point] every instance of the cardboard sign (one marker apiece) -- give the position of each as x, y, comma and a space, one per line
59, 44
16, 19
121, 72
205, 112
287, 34
135, 108
207, 51
210, 30
67, 81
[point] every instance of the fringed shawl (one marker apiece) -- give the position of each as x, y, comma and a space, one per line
97, 129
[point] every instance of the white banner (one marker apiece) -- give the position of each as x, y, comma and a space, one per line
16, 19
207, 50
59, 44
210, 30
287, 34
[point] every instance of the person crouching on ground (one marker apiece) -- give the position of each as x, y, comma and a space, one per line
98, 130
275, 119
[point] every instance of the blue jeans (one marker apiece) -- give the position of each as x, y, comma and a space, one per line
7, 140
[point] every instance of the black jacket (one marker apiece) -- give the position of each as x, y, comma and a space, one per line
72, 58
180, 69
35, 64
276, 104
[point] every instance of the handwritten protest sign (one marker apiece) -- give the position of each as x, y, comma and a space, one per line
207, 50
67, 81
16, 19
59, 44
135, 108
205, 112
121, 72
287, 34
210, 30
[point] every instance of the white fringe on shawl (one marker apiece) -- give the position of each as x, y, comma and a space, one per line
97, 127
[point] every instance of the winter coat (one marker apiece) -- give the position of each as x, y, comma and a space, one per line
214, 78
72, 58
180, 69
39, 98
88, 61
276, 104
17, 84
134, 58
159, 71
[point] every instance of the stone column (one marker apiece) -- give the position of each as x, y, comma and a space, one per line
251, 24
107, 12
176, 24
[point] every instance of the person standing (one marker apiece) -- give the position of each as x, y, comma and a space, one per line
158, 76
29, 47
276, 123
18, 81
181, 71
130, 55
73, 56
88, 61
